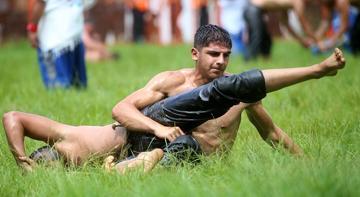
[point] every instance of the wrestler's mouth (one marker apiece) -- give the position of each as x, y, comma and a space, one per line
216, 70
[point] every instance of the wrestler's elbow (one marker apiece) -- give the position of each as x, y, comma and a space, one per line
120, 111
117, 112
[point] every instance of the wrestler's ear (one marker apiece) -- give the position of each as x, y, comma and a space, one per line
195, 54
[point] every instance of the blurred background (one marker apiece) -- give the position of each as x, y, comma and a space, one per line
61, 29
175, 21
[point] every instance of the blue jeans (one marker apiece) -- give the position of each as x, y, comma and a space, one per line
64, 70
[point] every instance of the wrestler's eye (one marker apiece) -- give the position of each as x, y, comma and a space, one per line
214, 54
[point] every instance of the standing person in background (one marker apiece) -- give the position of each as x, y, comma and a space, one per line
339, 20
260, 40
201, 14
230, 16
55, 28
355, 31
96, 50
139, 9
175, 8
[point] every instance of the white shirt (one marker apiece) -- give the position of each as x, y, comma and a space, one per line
61, 25
232, 15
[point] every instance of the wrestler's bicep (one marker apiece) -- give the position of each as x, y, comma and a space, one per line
144, 97
156, 89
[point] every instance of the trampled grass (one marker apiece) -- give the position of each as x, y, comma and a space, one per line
322, 116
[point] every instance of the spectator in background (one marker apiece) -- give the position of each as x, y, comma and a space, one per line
338, 26
355, 31
152, 26
202, 14
55, 29
95, 49
139, 9
260, 41
163, 20
175, 9
230, 15
107, 17
5, 9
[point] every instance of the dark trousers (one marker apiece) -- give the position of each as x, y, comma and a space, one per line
138, 25
259, 37
355, 36
190, 109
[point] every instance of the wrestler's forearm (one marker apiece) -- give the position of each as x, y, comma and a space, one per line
276, 79
131, 118
278, 137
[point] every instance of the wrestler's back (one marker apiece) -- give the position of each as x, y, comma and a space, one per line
81, 142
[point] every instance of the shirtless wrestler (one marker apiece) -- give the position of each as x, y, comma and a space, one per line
211, 55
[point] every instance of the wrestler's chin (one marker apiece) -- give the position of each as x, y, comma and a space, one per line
216, 74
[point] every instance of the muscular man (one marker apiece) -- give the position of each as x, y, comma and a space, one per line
211, 51
193, 98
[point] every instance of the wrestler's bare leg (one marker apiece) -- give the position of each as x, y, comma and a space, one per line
17, 125
147, 160
74, 143
276, 79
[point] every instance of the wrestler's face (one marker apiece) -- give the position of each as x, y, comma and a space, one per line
212, 60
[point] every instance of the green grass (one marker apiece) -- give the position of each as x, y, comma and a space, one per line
322, 116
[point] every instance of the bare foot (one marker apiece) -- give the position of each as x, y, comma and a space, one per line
147, 160
109, 163
332, 64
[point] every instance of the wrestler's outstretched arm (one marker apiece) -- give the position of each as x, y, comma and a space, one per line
270, 132
276, 79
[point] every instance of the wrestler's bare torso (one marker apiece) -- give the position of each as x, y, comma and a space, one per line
211, 135
84, 141
215, 133
78, 143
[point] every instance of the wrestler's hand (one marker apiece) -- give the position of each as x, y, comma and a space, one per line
26, 163
169, 133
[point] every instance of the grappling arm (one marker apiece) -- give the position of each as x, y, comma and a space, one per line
127, 111
271, 133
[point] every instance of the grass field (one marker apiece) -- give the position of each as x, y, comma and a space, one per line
322, 116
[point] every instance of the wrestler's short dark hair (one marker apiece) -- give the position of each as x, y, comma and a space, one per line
207, 34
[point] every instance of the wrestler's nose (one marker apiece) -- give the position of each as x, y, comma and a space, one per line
220, 60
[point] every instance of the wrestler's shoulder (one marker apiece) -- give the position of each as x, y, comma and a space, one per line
175, 76
170, 79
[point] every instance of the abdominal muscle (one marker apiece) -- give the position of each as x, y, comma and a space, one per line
219, 134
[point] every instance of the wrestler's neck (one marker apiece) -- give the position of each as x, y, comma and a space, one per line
199, 78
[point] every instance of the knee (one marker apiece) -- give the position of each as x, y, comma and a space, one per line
9, 119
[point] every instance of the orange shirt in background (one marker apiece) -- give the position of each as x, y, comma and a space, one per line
141, 5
